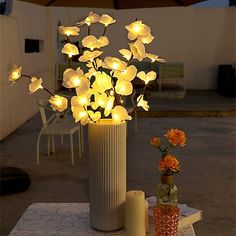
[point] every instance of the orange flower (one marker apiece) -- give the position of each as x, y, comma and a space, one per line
176, 137
169, 162
155, 141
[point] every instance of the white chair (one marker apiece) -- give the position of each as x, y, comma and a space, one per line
56, 125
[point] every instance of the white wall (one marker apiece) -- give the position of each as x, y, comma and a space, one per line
201, 38
26, 21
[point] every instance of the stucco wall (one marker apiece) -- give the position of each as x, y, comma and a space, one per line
201, 38
26, 21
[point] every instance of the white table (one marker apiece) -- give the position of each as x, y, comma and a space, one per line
64, 219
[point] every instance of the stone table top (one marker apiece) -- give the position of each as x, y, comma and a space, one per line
64, 219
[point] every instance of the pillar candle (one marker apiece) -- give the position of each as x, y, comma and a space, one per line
135, 213
146, 216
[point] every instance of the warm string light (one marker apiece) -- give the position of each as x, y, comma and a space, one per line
99, 93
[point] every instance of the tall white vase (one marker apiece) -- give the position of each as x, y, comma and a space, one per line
107, 174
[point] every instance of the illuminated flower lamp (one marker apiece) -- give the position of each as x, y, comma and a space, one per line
99, 102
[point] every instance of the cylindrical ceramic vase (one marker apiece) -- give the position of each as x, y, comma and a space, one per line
107, 174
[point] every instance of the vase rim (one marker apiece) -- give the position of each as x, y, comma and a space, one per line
107, 121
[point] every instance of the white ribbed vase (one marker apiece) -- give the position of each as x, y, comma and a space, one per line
107, 174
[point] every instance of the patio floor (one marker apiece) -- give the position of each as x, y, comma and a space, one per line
206, 180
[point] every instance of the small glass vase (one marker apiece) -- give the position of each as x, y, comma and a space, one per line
166, 192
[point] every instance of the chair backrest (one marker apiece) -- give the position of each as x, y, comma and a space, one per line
42, 104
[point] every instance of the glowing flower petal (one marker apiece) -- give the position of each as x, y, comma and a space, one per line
119, 114
72, 78
128, 74
81, 100
100, 101
102, 82
91, 18
68, 31
35, 84
142, 103
127, 54
89, 56
109, 106
124, 87
136, 29
58, 103
154, 57
147, 77
138, 50
106, 20
14, 73
83, 86
95, 116
146, 39
114, 63
92, 42
80, 114
70, 50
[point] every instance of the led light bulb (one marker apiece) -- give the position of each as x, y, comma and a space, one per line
82, 114
15, 75
136, 28
115, 66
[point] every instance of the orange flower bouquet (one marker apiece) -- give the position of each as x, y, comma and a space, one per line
168, 165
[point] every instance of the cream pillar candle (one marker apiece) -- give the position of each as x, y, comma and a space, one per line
135, 213
146, 216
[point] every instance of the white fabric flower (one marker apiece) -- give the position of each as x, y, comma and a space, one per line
58, 103
83, 86
137, 29
146, 39
114, 63
35, 84
109, 106
154, 58
72, 78
80, 115
147, 77
92, 42
142, 103
138, 50
68, 31
90, 19
124, 87
119, 114
100, 101
106, 20
81, 100
128, 74
14, 73
95, 116
102, 82
89, 56
70, 50
127, 54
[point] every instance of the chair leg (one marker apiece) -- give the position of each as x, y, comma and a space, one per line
82, 138
53, 144
62, 139
79, 140
49, 144
37, 150
72, 150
